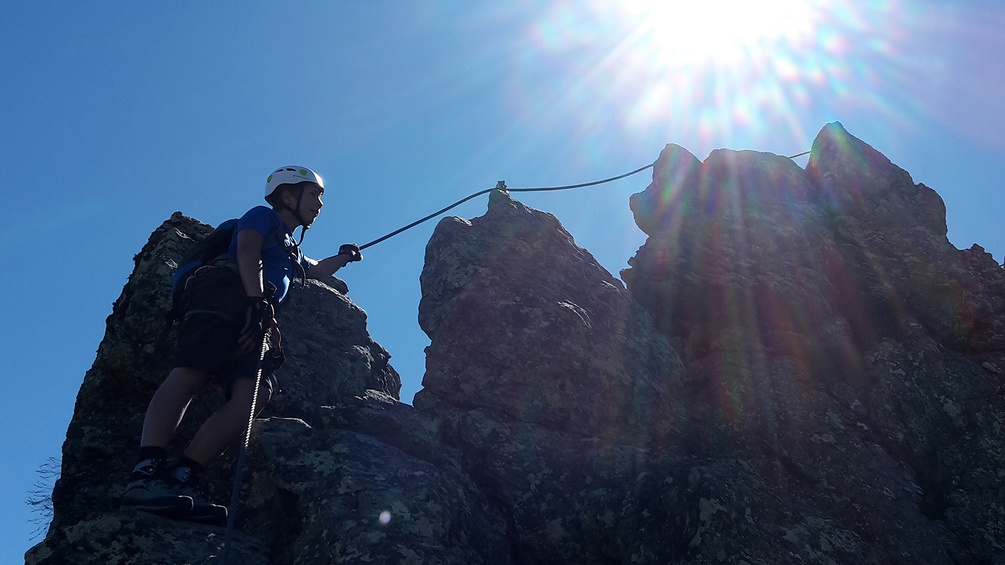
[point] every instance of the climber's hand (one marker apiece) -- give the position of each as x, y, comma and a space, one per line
352, 250
258, 317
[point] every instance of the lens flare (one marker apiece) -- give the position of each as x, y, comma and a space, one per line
732, 71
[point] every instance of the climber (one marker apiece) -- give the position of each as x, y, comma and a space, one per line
227, 322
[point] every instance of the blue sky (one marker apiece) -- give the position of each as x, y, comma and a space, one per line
115, 115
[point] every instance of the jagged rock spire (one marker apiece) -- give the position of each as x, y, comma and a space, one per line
801, 369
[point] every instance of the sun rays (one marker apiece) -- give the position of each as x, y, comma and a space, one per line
730, 71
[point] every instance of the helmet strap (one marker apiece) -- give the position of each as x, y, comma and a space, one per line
295, 212
299, 217
295, 209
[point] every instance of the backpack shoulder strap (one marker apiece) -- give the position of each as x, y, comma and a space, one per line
274, 238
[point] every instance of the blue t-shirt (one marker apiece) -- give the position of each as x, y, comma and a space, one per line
280, 254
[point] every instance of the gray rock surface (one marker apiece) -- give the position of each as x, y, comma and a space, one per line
801, 369
836, 342
555, 387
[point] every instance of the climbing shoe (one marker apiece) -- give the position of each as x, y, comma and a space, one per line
181, 480
157, 497
204, 512
147, 491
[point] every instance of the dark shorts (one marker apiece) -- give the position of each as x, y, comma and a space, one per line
213, 308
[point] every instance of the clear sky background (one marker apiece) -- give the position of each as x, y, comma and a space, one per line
115, 115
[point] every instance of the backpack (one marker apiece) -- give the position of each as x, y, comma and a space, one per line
204, 252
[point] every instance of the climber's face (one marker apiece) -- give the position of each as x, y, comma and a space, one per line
311, 203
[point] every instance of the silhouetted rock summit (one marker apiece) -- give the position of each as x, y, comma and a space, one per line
799, 368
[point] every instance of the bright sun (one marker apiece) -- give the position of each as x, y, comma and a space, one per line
721, 69
718, 31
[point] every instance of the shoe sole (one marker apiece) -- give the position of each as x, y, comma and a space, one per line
212, 517
198, 515
173, 505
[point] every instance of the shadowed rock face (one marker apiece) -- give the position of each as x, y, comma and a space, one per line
835, 340
802, 369
556, 389
318, 477
850, 245
528, 326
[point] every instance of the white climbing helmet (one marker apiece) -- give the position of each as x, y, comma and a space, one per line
291, 174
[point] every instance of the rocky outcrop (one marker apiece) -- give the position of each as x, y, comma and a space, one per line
528, 327
801, 368
852, 240
837, 343
291, 502
556, 389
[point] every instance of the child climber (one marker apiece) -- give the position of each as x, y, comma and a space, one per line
227, 310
